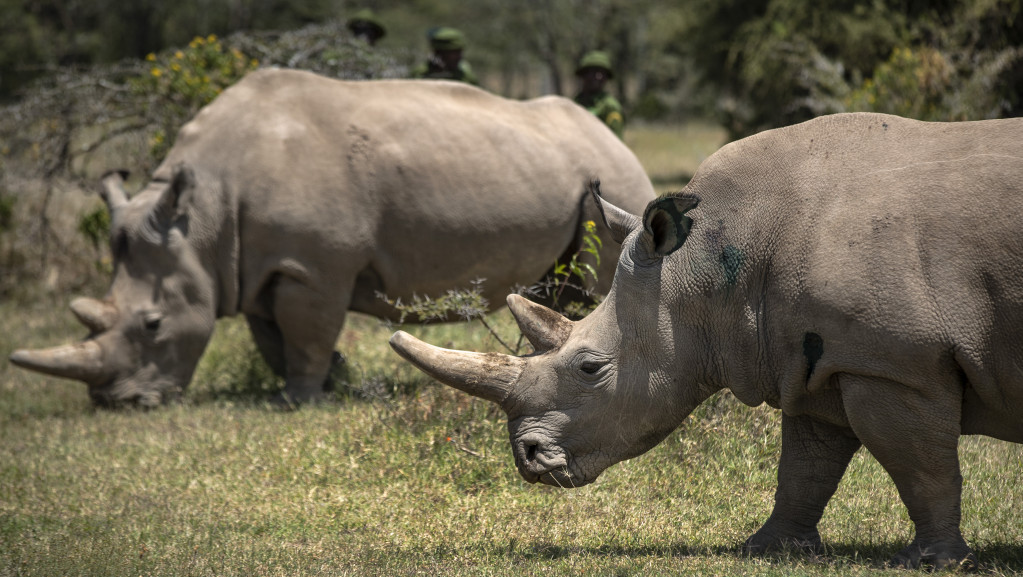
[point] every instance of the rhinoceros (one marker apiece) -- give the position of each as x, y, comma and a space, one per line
293, 198
859, 272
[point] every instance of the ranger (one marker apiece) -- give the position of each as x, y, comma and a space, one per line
594, 71
446, 61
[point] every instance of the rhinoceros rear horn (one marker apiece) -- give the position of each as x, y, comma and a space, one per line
98, 316
489, 376
82, 361
113, 192
619, 221
545, 329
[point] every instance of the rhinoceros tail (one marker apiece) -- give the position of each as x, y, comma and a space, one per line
620, 222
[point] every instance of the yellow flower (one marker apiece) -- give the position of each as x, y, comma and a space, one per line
179, 55
151, 57
211, 38
175, 67
156, 72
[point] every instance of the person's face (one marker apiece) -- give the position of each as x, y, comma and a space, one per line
449, 58
593, 79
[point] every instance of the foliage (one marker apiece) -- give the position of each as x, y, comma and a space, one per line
181, 82
776, 62
911, 83
926, 84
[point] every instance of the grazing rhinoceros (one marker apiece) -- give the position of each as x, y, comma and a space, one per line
293, 198
863, 273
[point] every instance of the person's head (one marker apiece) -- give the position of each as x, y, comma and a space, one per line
594, 70
447, 44
366, 26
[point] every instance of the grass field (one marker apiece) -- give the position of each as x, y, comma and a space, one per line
400, 476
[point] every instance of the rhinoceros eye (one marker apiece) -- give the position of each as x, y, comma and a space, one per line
590, 367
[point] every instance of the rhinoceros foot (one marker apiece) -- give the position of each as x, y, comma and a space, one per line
941, 555
772, 538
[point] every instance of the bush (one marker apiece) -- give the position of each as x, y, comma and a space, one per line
180, 82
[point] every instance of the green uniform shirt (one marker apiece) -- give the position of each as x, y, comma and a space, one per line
430, 69
606, 107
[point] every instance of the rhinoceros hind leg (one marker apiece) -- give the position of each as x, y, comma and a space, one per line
914, 434
814, 456
269, 341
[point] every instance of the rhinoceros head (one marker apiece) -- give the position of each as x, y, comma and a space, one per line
595, 391
146, 336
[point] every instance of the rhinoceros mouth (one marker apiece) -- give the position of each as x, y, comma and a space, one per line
562, 478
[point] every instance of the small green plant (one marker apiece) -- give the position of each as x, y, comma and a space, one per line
574, 272
95, 227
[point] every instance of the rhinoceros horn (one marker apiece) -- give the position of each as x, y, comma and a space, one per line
545, 329
489, 376
82, 361
98, 316
113, 192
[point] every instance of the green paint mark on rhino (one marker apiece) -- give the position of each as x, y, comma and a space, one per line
731, 261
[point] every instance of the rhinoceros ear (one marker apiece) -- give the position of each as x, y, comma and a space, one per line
666, 223
620, 222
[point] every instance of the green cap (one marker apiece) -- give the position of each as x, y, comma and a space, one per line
595, 59
365, 18
445, 38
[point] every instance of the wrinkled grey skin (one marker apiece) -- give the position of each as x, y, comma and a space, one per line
293, 198
859, 272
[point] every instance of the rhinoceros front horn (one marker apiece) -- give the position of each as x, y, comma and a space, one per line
82, 361
489, 376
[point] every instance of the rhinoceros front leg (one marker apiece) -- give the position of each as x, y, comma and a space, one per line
915, 437
309, 323
814, 456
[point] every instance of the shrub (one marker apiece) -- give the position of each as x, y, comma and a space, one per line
183, 81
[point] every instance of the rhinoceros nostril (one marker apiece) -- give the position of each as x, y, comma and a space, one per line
531, 450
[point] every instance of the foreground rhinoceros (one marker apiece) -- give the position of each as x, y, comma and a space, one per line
293, 198
863, 273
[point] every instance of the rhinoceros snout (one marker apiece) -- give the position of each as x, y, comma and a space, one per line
538, 458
